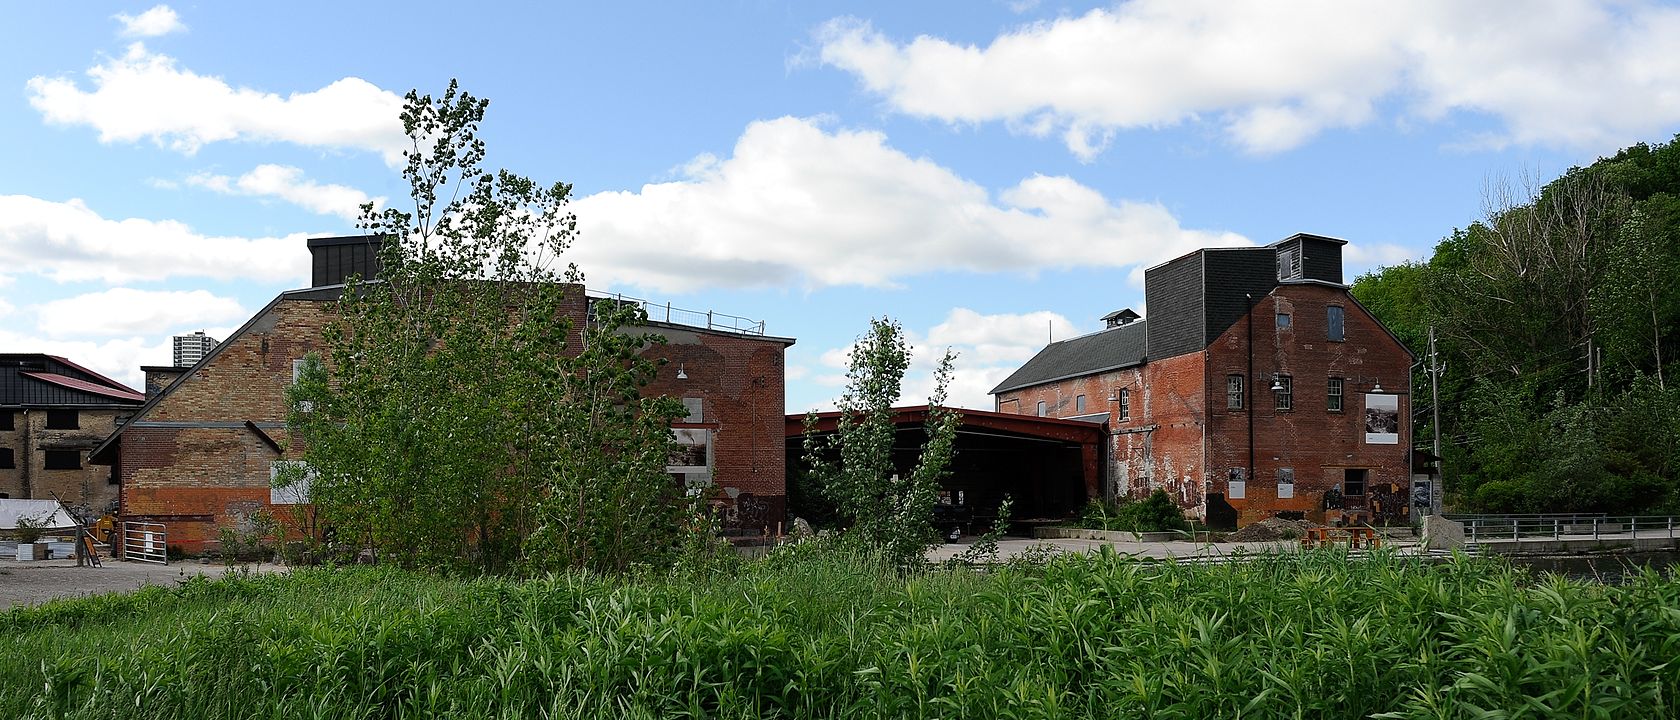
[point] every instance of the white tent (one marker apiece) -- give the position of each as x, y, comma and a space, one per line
49, 510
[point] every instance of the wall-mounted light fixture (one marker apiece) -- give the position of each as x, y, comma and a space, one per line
1277, 383
1113, 395
682, 373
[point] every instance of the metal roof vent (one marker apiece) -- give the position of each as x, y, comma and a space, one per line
1120, 317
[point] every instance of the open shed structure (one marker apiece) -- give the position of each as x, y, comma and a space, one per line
1050, 466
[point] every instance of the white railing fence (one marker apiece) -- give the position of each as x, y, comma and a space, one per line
145, 542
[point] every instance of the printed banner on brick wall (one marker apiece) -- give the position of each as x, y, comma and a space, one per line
1382, 419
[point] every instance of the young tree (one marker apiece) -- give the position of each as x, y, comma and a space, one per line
888, 511
461, 418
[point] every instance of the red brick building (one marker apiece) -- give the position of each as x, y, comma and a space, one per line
1258, 387
200, 454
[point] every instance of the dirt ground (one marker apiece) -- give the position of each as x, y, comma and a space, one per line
28, 583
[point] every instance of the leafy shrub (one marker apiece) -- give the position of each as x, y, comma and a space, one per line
1156, 513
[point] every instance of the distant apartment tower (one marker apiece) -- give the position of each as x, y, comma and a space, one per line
189, 349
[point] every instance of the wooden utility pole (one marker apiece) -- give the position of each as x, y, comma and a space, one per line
1434, 371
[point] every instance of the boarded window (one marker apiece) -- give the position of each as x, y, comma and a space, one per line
1125, 404
64, 459
1286, 483
1234, 392
1283, 321
696, 409
1283, 393
1079, 404
6, 419
289, 481
1333, 395
6, 461
63, 420
1334, 327
1289, 264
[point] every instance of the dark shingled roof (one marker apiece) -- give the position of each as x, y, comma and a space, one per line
1101, 351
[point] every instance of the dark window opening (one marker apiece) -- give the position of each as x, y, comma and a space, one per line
6, 461
63, 420
1334, 395
1125, 404
1335, 330
1353, 482
6, 420
1234, 392
64, 459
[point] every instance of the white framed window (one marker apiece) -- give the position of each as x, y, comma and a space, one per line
1234, 392
691, 456
1079, 404
1333, 395
1283, 393
1041, 412
1125, 404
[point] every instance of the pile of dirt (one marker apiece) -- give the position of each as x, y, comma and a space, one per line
1272, 530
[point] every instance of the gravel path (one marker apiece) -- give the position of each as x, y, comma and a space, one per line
28, 583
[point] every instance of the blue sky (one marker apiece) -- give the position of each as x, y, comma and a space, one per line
984, 172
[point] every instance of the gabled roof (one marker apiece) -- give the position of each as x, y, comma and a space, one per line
1101, 351
318, 294
42, 380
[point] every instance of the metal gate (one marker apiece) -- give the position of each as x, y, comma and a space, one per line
145, 542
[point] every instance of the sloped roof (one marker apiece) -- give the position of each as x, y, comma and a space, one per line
119, 392
1101, 351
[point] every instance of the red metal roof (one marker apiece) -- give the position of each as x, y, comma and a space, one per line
119, 392
102, 378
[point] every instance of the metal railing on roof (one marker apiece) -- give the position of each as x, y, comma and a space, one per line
667, 313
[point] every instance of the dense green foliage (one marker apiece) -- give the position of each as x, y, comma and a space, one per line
814, 633
460, 419
1557, 318
1156, 513
854, 467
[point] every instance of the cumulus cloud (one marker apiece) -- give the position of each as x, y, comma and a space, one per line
119, 359
68, 241
1583, 73
127, 312
289, 184
1363, 256
160, 20
799, 204
143, 95
988, 347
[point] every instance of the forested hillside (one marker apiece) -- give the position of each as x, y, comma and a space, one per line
1558, 319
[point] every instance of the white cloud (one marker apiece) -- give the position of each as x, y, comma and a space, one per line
1360, 256
6, 308
797, 204
142, 95
988, 347
119, 359
68, 242
160, 20
1584, 73
127, 311
288, 184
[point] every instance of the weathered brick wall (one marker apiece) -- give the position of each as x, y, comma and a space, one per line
741, 383
88, 490
192, 464
1159, 442
1317, 444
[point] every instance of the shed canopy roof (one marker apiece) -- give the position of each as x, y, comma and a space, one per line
1074, 431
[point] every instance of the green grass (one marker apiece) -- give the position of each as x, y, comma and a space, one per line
815, 634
